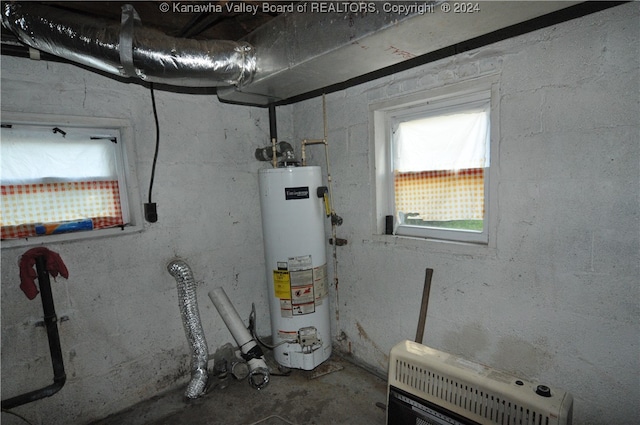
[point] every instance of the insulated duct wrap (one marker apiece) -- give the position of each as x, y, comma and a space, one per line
192, 326
103, 45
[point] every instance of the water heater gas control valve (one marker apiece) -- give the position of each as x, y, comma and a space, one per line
308, 337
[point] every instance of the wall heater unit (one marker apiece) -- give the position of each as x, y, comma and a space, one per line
430, 387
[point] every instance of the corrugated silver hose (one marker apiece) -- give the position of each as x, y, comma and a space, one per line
128, 49
192, 327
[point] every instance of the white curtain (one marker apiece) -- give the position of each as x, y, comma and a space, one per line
455, 141
51, 177
30, 155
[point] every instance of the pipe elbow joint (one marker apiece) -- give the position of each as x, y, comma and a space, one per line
259, 377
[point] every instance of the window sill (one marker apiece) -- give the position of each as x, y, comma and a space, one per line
69, 237
434, 245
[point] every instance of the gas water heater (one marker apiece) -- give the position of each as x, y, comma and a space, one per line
293, 214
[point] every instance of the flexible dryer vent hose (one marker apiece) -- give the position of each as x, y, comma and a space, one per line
192, 326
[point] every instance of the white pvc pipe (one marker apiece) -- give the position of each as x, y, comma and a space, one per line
251, 352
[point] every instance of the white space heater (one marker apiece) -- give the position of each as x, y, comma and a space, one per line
430, 387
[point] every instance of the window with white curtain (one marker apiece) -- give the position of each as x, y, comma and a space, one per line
62, 179
433, 159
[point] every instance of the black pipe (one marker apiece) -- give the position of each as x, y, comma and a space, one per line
50, 322
273, 127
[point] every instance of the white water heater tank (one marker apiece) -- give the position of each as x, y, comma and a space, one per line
293, 216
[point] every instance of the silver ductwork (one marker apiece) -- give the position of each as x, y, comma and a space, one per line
128, 49
338, 42
312, 46
193, 327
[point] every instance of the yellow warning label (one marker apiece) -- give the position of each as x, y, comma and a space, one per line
282, 284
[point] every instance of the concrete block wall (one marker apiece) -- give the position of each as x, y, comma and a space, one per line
124, 340
557, 298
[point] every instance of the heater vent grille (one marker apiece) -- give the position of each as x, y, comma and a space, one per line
474, 392
474, 400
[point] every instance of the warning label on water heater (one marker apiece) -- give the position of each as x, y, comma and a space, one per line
281, 284
300, 263
301, 288
302, 296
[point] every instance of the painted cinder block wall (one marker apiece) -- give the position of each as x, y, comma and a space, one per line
557, 299
124, 340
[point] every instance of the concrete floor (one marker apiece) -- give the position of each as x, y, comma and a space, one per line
336, 392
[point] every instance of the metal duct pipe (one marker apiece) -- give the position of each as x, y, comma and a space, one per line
192, 326
251, 352
128, 50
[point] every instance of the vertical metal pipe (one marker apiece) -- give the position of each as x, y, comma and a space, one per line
273, 123
424, 305
50, 322
273, 134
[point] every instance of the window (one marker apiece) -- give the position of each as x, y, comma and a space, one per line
59, 179
433, 159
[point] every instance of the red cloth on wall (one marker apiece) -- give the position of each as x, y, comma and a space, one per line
55, 267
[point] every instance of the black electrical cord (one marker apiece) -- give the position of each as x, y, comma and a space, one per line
150, 210
155, 155
283, 371
252, 328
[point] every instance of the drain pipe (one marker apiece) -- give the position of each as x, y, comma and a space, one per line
192, 326
251, 352
50, 321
